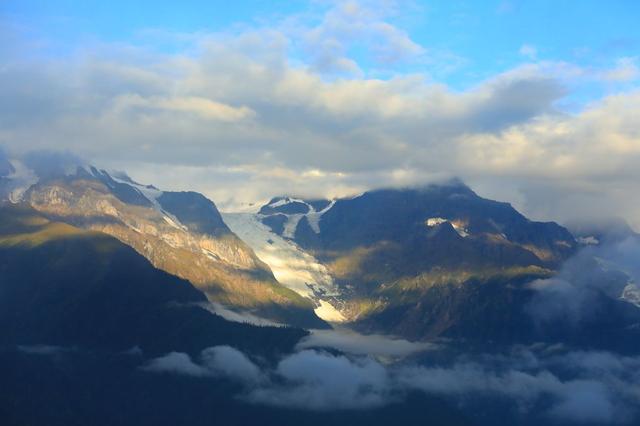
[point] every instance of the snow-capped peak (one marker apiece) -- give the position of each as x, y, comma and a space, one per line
298, 208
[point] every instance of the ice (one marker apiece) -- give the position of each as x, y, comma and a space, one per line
292, 266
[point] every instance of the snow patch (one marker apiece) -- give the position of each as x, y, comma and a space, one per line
459, 228
590, 240
152, 194
291, 225
313, 216
435, 221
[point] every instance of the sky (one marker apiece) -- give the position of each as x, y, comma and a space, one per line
528, 102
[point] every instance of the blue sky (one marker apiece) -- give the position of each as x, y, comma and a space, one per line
532, 102
473, 39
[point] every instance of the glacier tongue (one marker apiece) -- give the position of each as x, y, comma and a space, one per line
292, 267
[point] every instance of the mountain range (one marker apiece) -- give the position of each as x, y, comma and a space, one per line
441, 261
123, 277
421, 263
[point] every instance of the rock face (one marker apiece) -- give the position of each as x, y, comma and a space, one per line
388, 235
179, 232
64, 286
436, 261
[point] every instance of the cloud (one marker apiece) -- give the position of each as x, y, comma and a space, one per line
320, 381
6, 168
568, 386
626, 70
176, 363
351, 24
205, 108
231, 363
47, 163
577, 293
237, 316
542, 381
238, 113
43, 349
528, 51
217, 361
359, 344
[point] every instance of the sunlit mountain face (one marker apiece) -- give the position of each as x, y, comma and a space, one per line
320, 213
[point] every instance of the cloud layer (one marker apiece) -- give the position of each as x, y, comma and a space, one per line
286, 107
548, 382
574, 295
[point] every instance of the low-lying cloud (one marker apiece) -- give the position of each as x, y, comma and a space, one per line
550, 381
217, 361
586, 281
320, 381
350, 342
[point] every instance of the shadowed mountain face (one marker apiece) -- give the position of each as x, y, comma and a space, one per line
412, 216
441, 261
387, 235
63, 286
195, 211
84, 316
179, 232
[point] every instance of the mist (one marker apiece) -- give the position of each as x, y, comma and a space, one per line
562, 384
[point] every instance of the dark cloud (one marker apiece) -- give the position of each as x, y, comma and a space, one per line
43, 349
47, 163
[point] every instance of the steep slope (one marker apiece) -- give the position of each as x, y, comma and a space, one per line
181, 233
291, 265
442, 261
60, 285
388, 235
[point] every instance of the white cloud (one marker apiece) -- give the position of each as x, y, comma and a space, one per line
205, 108
320, 381
528, 51
353, 343
230, 362
244, 114
592, 387
176, 363
626, 70
350, 24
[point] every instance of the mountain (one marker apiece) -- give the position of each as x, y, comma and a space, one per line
179, 232
64, 286
440, 261
82, 316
